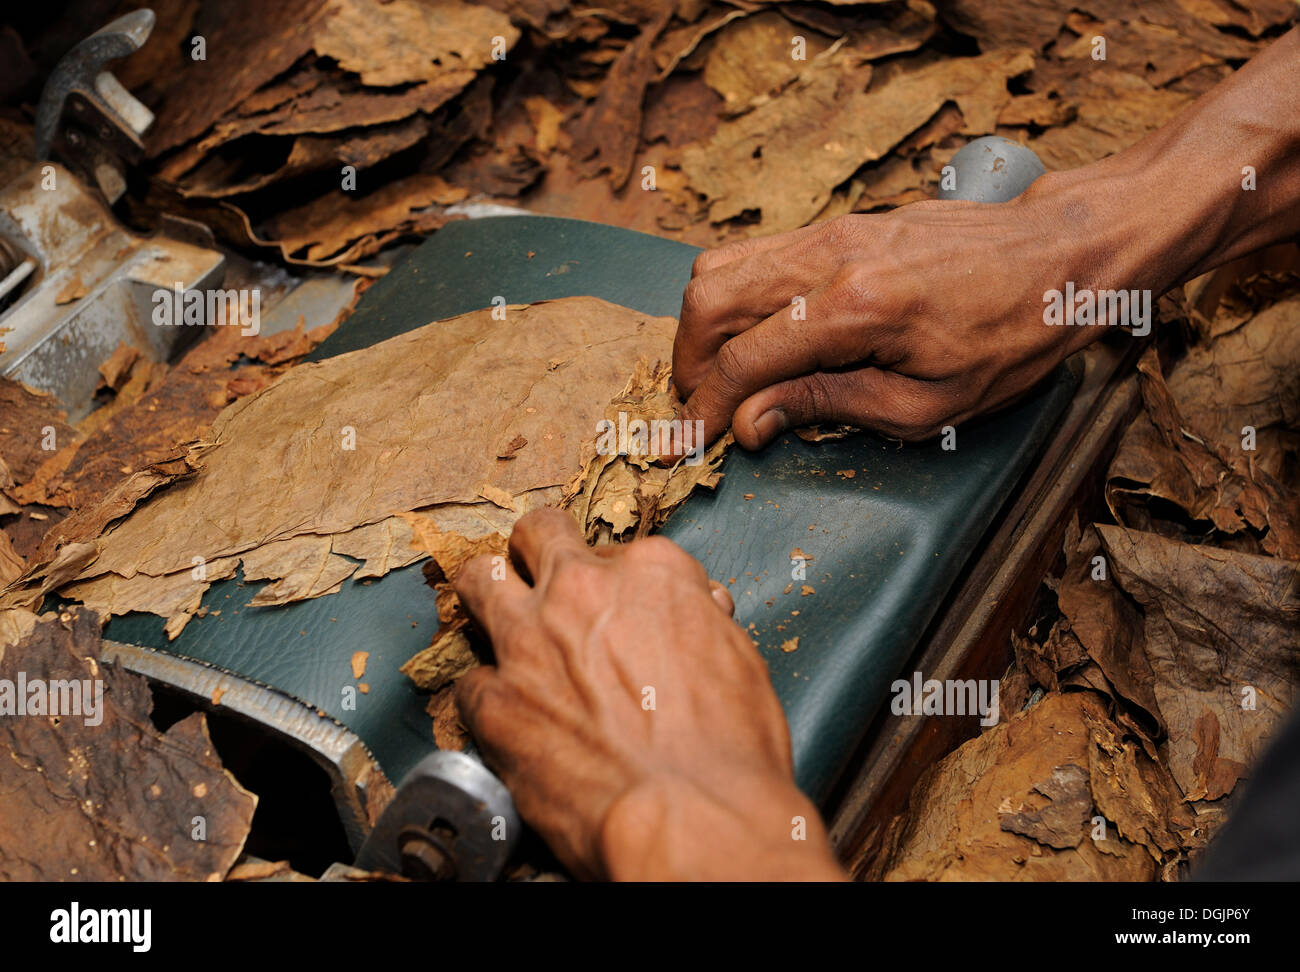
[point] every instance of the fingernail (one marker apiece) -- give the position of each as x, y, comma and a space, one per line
770, 424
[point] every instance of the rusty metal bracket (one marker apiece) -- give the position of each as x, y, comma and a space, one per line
85, 117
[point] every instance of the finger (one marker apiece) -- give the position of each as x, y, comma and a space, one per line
543, 537
479, 698
739, 295
774, 351
493, 593
871, 398
739, 249
722, 597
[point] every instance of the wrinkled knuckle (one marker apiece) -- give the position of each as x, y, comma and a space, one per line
697, 298
731, 364
704, 261
656, 549
815, 402
855, 285
574, 574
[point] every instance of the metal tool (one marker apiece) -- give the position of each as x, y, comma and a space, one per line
86, 118
992, 169
451, 820
80, 284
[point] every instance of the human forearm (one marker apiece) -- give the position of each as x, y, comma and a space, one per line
1176, 204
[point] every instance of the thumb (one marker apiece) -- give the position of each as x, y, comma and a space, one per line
869, 398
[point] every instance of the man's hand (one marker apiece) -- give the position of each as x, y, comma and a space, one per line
632, 720
929, 315
902, 323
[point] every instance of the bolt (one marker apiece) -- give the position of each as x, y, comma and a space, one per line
424, 858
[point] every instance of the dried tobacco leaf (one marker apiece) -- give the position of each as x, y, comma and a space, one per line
66, 814
157, 412
1017, 804
437, 398
1197, 461
605, 138
32, 425
1221, 636
826, 125
1107, 625
339, 228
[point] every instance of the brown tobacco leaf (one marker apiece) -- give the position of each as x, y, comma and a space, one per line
825, 126
1033, 23
605, 138
752, 57
445, 660
1132, 46
25, 415
449, 655
175, 596
448, 732
1114, 110
382, 547
268, 40
1197, 460
12, 564
617, 493
301, 567
1107, 625
1017, 804
432, 48
339, 228
1064, 821
218, 175
405, 41
66, 813
152, 418
1220, 634
117, 369
681, 110
350, 441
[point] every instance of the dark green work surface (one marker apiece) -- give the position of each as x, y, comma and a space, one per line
886, 544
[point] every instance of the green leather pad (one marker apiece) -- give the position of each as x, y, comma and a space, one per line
886, 544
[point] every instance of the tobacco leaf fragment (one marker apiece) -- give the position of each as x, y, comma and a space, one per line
1196, 460
828, 124
955, 825
31, 424
605, 138
338, 228
1063, 822
1220, 634
66, 813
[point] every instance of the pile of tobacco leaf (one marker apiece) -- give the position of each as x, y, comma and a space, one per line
1136, 707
